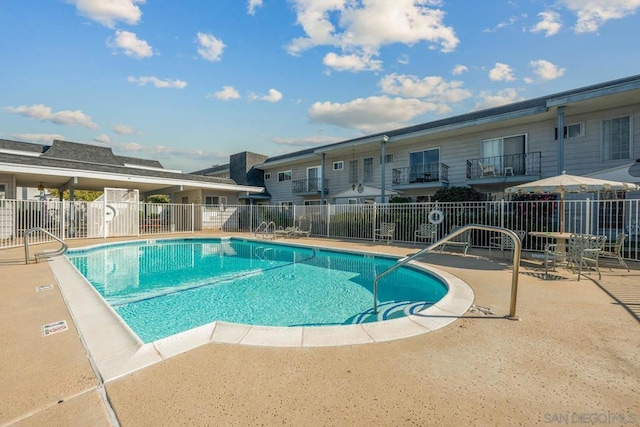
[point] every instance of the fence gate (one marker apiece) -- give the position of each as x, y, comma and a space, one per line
115, 213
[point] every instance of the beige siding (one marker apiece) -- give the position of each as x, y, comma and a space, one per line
583, 154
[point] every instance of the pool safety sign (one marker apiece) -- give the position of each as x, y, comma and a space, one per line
54, 328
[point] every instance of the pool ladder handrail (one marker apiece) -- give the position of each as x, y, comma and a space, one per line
516, 262
46, 253
264, 231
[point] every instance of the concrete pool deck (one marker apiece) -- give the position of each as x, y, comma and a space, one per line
575, 354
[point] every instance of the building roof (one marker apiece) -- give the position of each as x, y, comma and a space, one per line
93, 168
526, 107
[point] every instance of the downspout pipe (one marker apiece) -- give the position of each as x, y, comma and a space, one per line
383, 184
322, 175
560, 140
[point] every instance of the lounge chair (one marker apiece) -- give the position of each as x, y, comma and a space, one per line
285, 232
385, 232
304, 228
461, 241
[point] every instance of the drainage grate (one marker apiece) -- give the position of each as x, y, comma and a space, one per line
44, 288
54, 328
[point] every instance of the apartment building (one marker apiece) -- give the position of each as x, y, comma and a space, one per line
488, 150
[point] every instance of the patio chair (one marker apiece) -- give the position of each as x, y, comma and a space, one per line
303, 229
486, 169
427, 232
461, 241
614, 250
505, 242
583, 250
385, 232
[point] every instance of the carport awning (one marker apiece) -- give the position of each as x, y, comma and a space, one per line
86, 179
626, 173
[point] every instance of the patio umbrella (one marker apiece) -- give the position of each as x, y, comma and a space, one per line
562, 184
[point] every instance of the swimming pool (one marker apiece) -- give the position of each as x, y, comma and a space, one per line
166, 286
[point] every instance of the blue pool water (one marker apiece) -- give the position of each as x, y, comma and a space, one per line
164, 287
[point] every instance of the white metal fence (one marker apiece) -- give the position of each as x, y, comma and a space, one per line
70, 220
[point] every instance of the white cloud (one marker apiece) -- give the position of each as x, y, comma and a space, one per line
367, 26
43, 113
371, 114
592, 14
354, 62
495, 99
164, 152
102, 138
273, 96
546, 70
143, 81
253, 4
123, 130
309, 141
501, 72
37, 137
549, 24
108, 12
131, 45
210, 48
431, 88
403, 59
512, 20
459, 69
227, 93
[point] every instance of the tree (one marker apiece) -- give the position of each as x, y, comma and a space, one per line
157, 198
86, 195
458, 194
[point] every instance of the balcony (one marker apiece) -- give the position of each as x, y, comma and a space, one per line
417, 176
512, 167
309, 186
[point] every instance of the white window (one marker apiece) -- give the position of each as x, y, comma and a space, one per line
284, 176
388, 158
314, 179
423, 165
311, 202
267, 175
215, 200
353, 171
338, 166
3, 191
284, 204
616, 138
352, 201
507, 152
367, 174
574, 130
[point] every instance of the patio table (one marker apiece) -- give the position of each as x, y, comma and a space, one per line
561, 238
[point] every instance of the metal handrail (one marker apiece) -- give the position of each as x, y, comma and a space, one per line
516, 262
257, 230
264, 231
44, 254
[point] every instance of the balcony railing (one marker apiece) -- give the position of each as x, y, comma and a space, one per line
312, 185
435, 172
504, 166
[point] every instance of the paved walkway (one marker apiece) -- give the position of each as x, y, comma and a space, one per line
574, 357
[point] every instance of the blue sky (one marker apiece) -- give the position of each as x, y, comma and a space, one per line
191, 82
